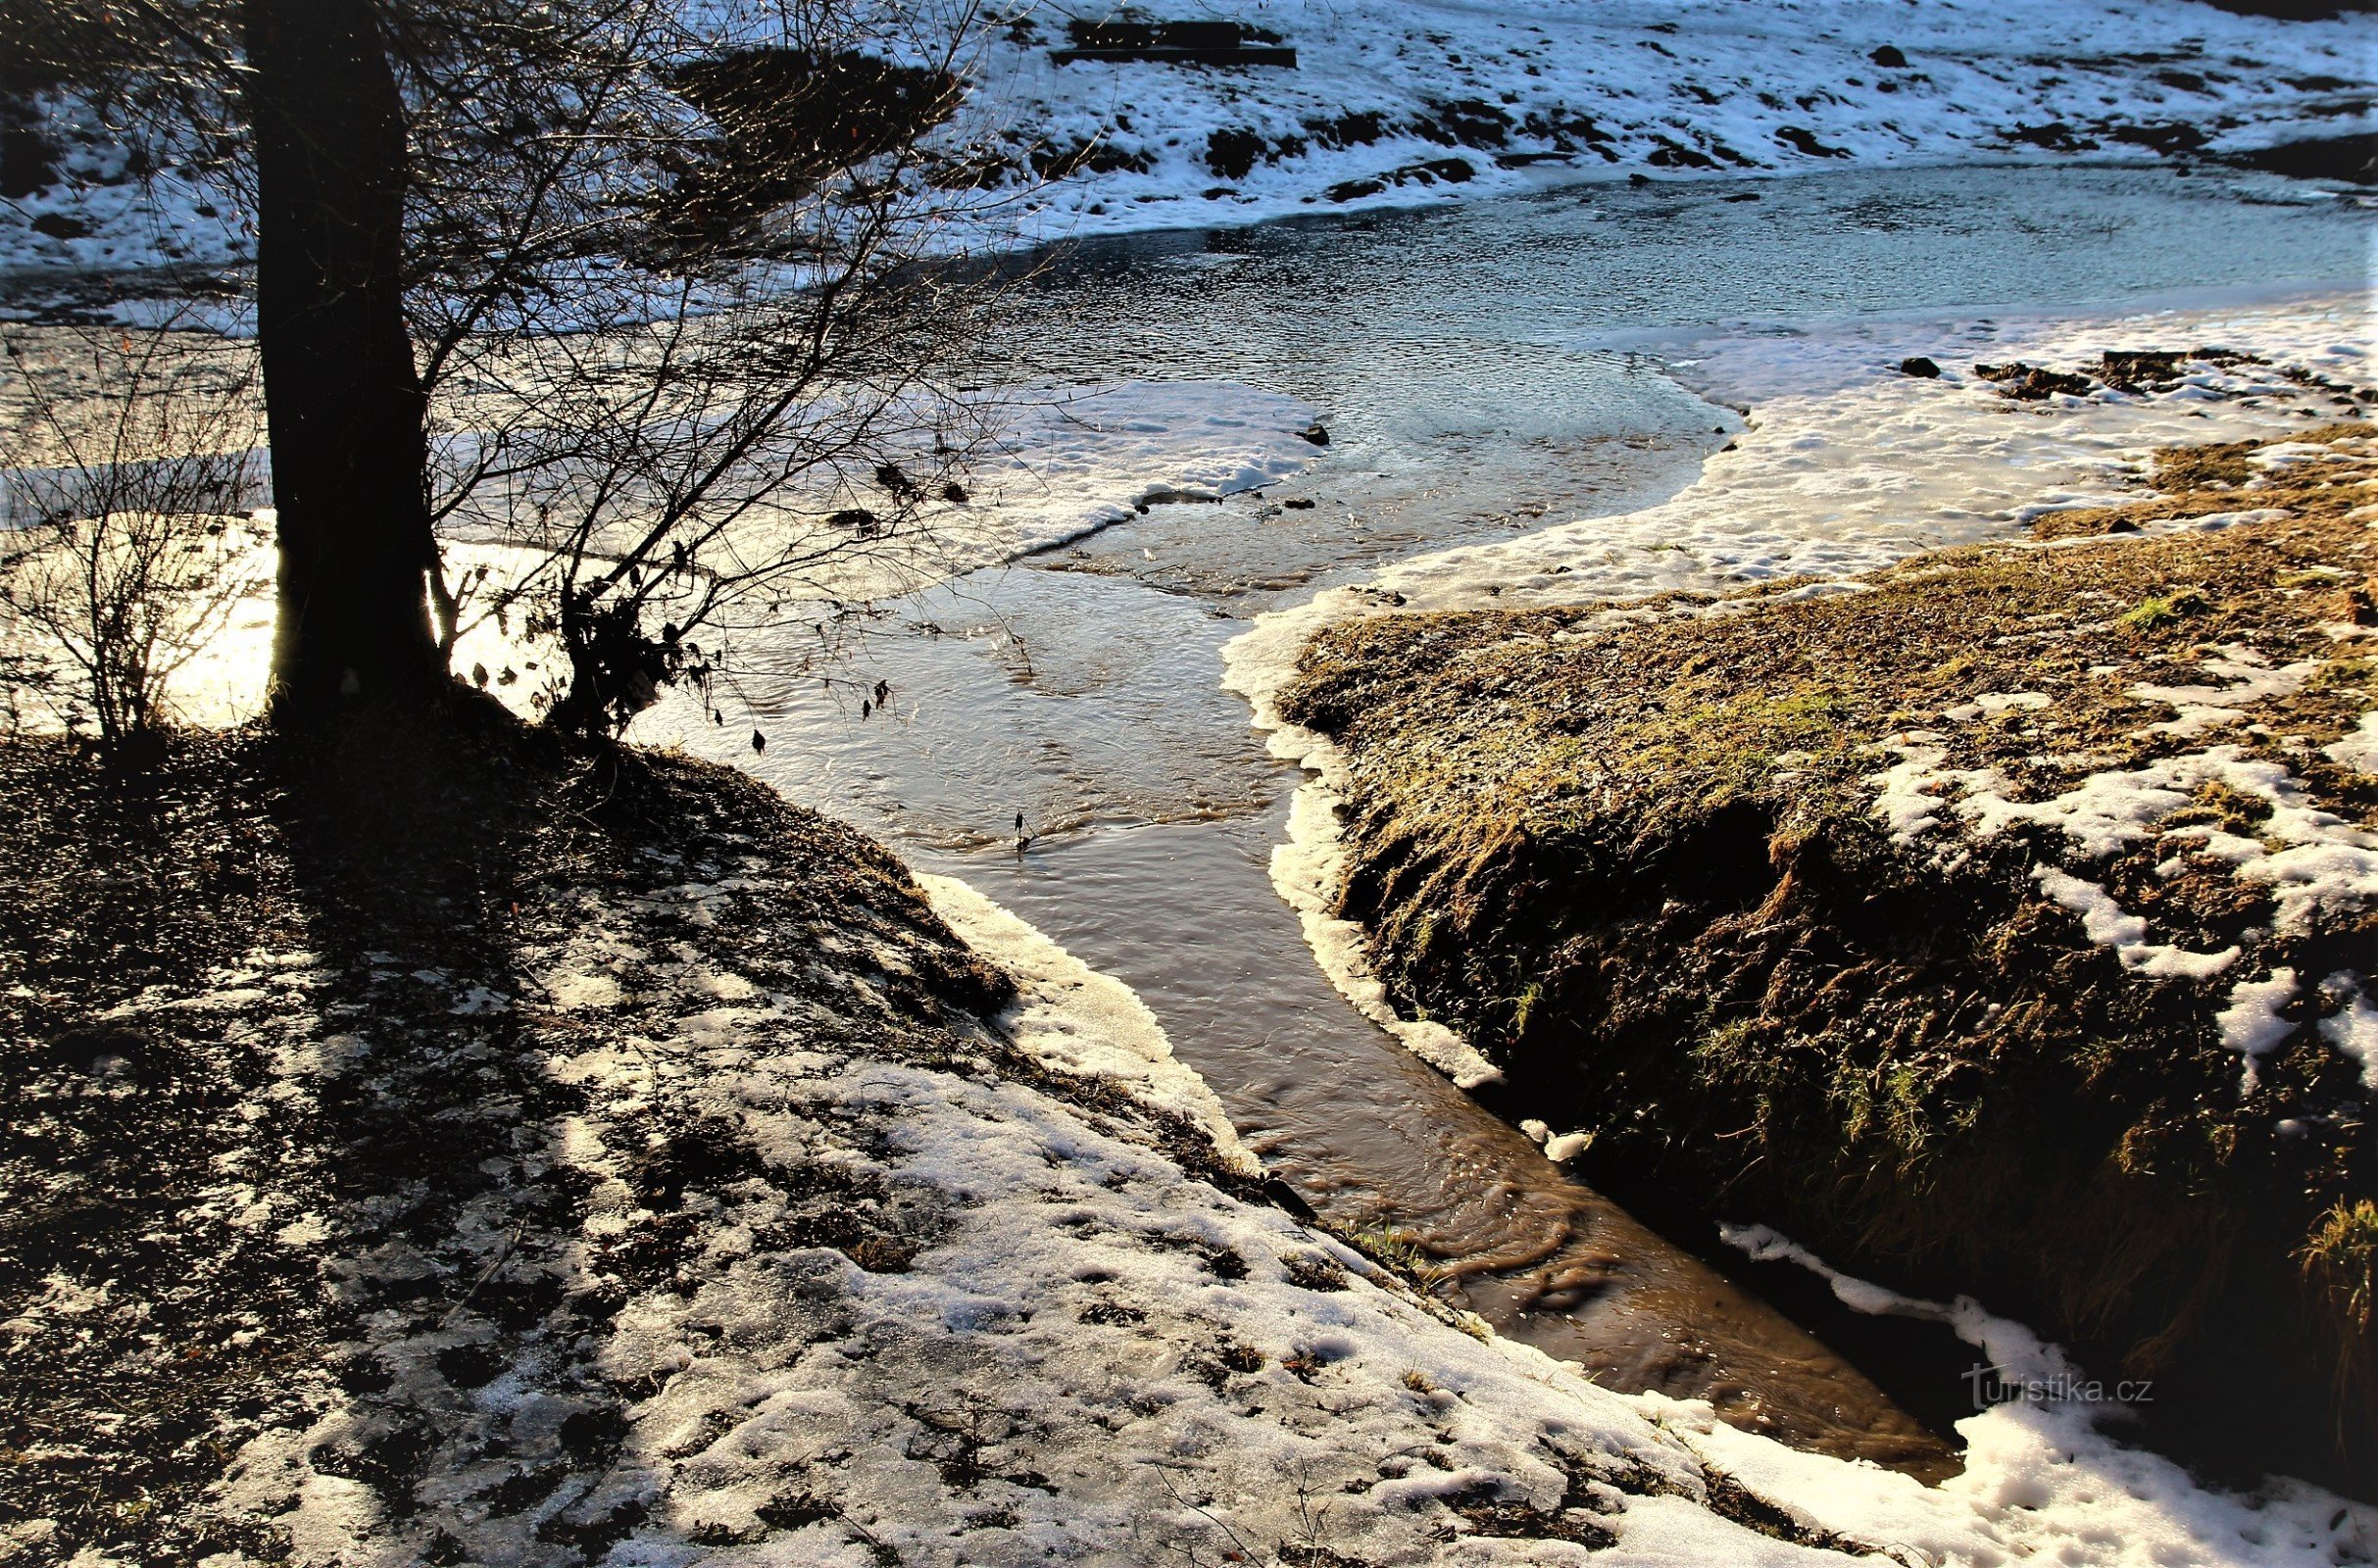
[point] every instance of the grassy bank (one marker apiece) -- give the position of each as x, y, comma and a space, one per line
1998, 926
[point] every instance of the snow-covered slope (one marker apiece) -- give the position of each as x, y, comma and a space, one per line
1437, 98
1397, 101
1402, 101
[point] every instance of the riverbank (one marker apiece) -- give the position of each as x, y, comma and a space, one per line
1418, 104
1988, 921
456, 1150
1414, 104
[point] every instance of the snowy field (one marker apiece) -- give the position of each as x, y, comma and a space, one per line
1397, 103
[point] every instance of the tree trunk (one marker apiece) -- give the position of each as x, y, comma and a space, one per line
343, 399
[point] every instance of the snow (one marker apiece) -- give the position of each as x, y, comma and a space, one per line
2043, 1481
1542, 91
1847, 465
2250, 1024
2104, 922
2359, 750
2311, 862
2247, 678
1462, 99
1078, 1021
1309, 869
2354, 1029
1093, 1355
1567, 1146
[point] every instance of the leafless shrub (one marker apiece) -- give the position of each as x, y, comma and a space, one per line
129, 462
686, 366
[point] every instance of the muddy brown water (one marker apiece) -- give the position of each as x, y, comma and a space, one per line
1466, 363
1374, 1138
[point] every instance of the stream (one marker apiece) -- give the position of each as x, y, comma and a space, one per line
1478, 368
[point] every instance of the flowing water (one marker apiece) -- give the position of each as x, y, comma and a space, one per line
1478, 368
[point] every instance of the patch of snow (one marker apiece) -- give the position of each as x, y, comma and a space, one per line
2311, 862
1566, 1146
1989, 705
2358, 750
2043, 1481
2215, 522
1079, 1020
2104, 922
2250, 1024
2247, 677
2354, 1029
1309, 869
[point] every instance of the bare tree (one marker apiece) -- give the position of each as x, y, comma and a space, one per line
626, 291
700, 367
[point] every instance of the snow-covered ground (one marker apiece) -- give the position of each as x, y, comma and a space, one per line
926, 1302
1402, 101
766, 1269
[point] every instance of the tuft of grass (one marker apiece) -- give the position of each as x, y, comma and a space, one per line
1400, 1251
2341, 1258
2341, 1263
2158, 610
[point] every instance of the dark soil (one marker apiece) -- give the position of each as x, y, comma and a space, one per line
2351, 159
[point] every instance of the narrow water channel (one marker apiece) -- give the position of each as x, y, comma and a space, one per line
1478, 368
